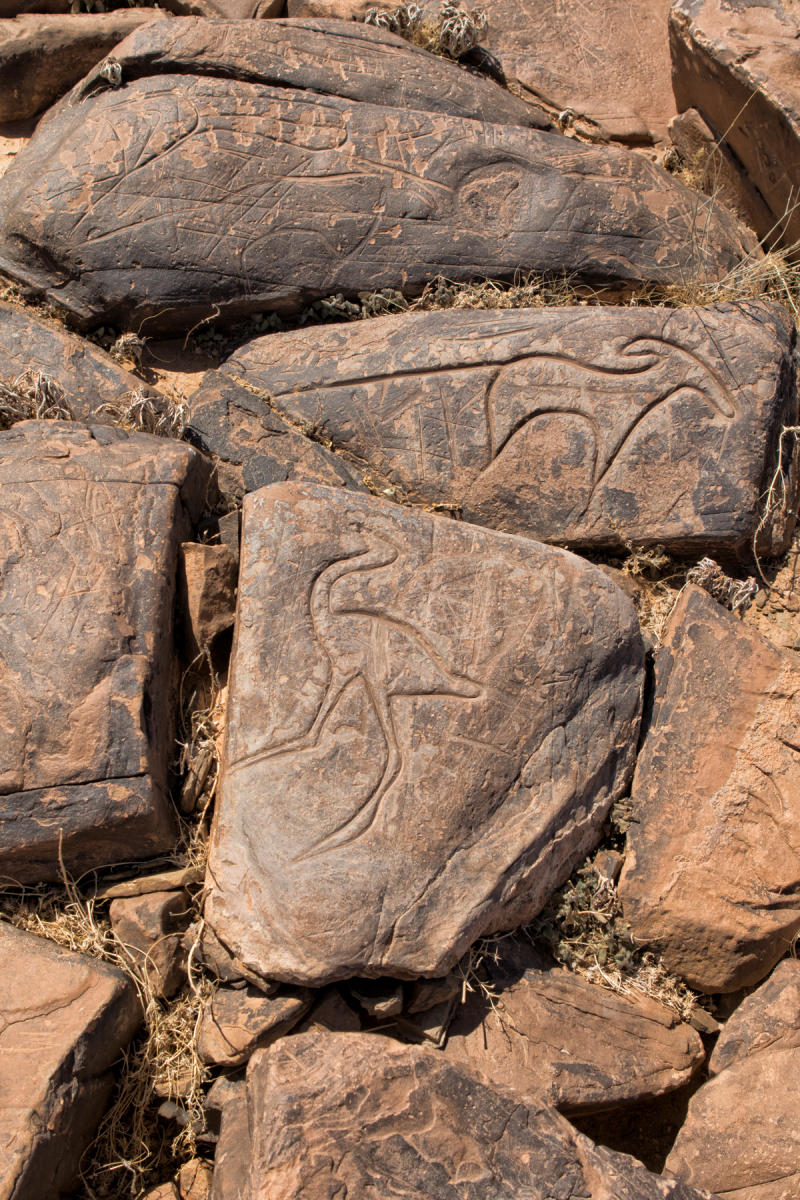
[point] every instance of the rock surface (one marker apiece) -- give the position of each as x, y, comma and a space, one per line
737, 64
41, 56
236, 1021
596, 427
751, 1102
397, 672
605, 63
90, 522
64, 1018
353, 1114
180, 196
713, 863
552, 1034
150, 926
207, 591
88, 377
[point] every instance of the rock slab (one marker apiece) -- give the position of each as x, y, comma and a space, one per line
737, 64
427, 723
353, 1114
90, 523
181, 196
590, 427
64, 1018
551, 1033
712, 871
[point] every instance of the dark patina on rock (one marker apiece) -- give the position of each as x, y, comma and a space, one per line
90, 523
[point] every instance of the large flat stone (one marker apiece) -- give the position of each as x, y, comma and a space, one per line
353, 1114
608, 63
427, 723
180, 196
332, 58
90, 523
712, 872
64, 1018
88, 377
42, 56
549, 1032
589, 427
750, 1103
737, 64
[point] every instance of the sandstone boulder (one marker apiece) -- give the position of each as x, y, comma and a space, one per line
583, 1048
331, 58
354, 1114
88, 378
713, 862
90, 522
767, 1020
427, 723
207, 593
180, 196
150, 928
64, 1018
590, 427
737, 64
606, 64
42, 56
236, 1021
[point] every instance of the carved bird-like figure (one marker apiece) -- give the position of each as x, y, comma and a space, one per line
390, 658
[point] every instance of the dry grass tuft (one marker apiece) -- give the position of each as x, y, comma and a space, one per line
128, 348
735, 594
455, 33
33, 395
139, 413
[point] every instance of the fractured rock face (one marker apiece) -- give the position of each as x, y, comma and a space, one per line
589, 427
178, 196
583, 1048
713, 862
737, 64
751, 1102
64, 1018
236, 1021
88, 377
427, 723
41, 56
90, 522
353, 1114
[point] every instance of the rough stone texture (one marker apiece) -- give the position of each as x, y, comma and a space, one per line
194, 1180
207, 586
736, 62
355, 62
236, 1021
41, 56
150, 926
90, 523
179, 196
592, 427
231, 9
767, 1020
606, 61
712, 871
583, 1048
427, 723
64, 1018
231, 1166
335, 1114
741, 1138
256, 447
88, 377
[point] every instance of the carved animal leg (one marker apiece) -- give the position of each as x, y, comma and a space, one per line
306, 741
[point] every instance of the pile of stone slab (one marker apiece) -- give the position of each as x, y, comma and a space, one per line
434, 703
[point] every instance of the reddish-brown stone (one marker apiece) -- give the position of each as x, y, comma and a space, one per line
357, 1115
237, 1020
588, 427
207, 589
552, 1033
64, 1018
427, 723
767, 1020
736, 62
88, 377
90, 522
713, 861
181, 196
42, 56
150, 928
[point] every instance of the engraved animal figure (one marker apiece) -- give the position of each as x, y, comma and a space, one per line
390, 658
663, 368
